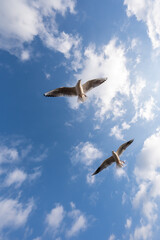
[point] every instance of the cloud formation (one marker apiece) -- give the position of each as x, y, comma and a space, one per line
128, 223
55, 217
16, 177
14, 214
59, 217
79, 221
109, 97
148, 12
24, 20
147, 176
85, 153
117, 131
8, 154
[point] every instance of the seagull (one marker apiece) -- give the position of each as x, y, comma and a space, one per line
79, 90
114, 158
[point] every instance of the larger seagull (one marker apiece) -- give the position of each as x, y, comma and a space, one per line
79, 90
114, 158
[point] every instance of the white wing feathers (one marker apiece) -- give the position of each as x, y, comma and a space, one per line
93, 83
121, 149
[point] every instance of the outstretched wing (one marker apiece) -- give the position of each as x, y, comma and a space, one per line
123, 147
105, 164
93, 83
63, 91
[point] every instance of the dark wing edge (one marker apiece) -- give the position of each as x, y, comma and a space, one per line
93, 83
63, 91
121, 149
105, 164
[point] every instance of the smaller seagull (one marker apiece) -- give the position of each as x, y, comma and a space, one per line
114, 158
79, 90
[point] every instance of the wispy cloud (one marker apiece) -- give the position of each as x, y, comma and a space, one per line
118, 131
85, 153
79, 222
147, 11
112, 237
146, 110
12, 154
90, 179
147, 176
142, 233
128, 223
55, 218
136, 90
16, 177
109, 97
8, 154
14, 214
24, 20
58, 221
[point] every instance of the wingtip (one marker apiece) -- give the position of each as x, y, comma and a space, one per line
130, 141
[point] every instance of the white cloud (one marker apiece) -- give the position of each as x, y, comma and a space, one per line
48, 75
147, 111
40, 157
112, 237
148, 12
107, 98
142, 233
58, 221
37, 173
140, 195
117, 131
55, 217
125, 126
13, 214
120, 172
16, 177
148, 161
25, 55
124, 198
25, 19
86, 153
136, 90
134, 43
79, 222
90, 179
59, 5
78, 225
128, 223
8, 155
147, 176
149, 210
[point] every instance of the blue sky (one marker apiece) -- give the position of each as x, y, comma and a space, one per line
50, 147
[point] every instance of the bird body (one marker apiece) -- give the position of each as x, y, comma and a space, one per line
79, 90
114, 158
